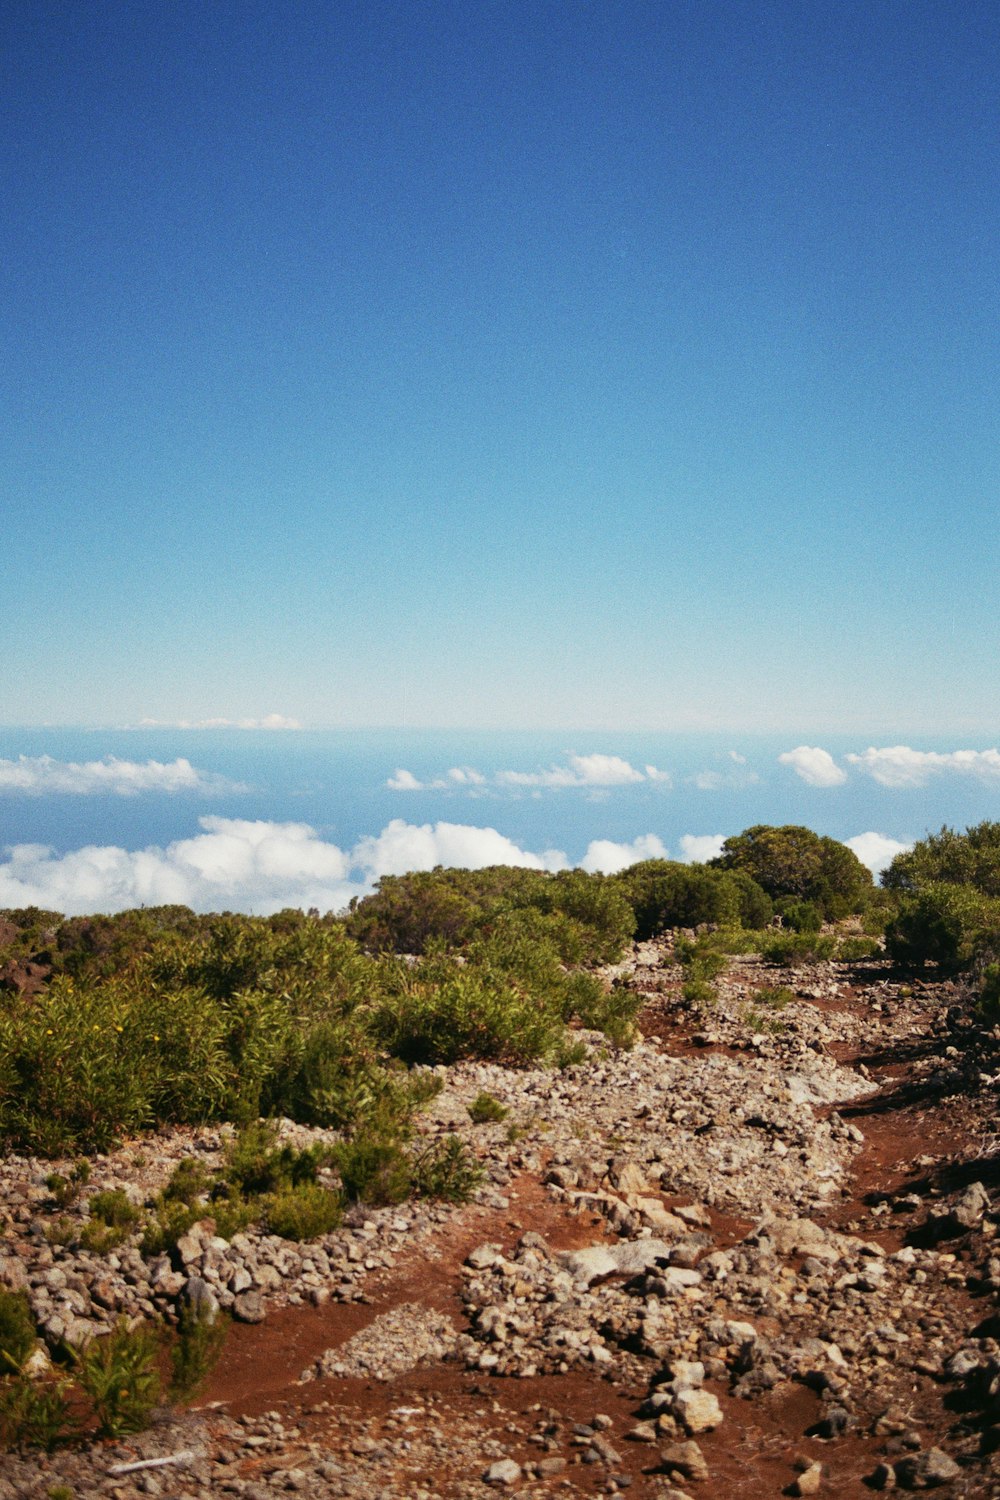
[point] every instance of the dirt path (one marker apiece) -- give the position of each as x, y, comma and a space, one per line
721, 1117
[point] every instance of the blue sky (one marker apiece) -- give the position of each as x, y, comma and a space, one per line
502, 365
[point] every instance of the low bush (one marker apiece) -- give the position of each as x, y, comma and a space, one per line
446, 1169
119, 1375
485, 1110
801, 916
303, 1212
665, 894
34, 1413
195, 1351
793, 863
790, 948
773, 996
374, 1169
856, 949
943, 924
17, 1330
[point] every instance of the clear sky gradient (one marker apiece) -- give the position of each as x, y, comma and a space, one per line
609, 365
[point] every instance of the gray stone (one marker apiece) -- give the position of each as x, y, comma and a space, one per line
201, 1299
926, 1470
699, 1411
686, 1459
249, 1307
633, 1257
591, 1264
504, 1472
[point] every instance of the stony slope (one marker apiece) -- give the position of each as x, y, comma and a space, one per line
754, 1253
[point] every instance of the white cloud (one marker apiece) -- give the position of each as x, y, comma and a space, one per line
582, 770
269, 721
607, 857
815, 766
404, 781
593, 773
466, 776
41, 775
405, 846
900, 766
699, 848
876, 850
244, 865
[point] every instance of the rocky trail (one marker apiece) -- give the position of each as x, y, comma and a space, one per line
754, 1255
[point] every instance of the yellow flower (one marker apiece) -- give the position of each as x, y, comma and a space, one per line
49, 1031
119, 1028
155, 1037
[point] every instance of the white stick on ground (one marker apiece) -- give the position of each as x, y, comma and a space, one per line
151, 1463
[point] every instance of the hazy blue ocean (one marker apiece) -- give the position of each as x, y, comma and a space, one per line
544, 793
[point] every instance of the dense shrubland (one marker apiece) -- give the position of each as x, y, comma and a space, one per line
159, 1016
947, 889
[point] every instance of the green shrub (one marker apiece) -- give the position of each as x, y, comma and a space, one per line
446, 1169
989, 993
303, 1212
374, 1169
943, 924
119, 1375
792, 862
112, 1217
570, 1054
484, 1109
34, 1413
791, 948
65, 1190
698, 993
971, 858
201, 1337
612, 1011
665, 894
855, 949
583, 916
774, 996
801, 916
69, 1078
171, 1219
114, 1208
189, 1182
17, 1330
473, 1013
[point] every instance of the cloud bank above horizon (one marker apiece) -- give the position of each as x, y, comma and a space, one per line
42, 775
260, 867
269, 721
892, 766
596, 772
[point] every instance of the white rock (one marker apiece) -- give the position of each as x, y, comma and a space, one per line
699, 1411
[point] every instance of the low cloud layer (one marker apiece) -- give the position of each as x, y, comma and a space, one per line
595, 772
241, 864
816, 767
699, 848
252, 866
269, 721
605, 857
896, 766
876, 850
899, 766
40, 775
